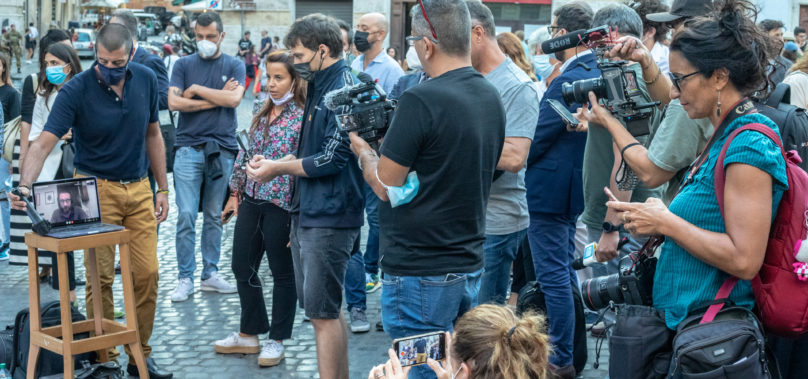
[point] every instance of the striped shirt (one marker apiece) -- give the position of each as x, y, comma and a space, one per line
683, 283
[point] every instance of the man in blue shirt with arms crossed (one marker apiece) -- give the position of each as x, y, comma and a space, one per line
112, 108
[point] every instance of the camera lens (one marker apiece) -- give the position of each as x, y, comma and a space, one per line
578, 91
597, 292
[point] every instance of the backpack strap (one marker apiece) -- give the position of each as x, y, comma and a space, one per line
781, 94
720, 175
719, 180
723, 293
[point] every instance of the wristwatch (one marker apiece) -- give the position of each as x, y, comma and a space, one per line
608, 227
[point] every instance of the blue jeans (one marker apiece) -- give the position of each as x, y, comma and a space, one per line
5, 211
413, 305
500, 251
189, 174
552, 243
372, 248
355, 295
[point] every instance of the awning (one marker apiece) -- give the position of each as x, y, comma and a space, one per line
202, 5
98, 4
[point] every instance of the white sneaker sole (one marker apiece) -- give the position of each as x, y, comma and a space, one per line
360, 329
219, 290
375, 288
268, 362
175, 300
237, 349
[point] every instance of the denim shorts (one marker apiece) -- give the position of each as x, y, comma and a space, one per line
320, 257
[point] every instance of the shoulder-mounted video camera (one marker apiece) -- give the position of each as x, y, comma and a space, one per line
617, 87
362, 108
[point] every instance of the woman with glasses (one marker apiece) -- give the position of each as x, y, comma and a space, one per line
716, 62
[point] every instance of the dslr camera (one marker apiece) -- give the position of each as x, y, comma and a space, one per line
631, 285
362, 108
617, 86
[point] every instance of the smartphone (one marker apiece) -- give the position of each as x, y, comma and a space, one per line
415, 350
227, 217
565, 114
241, 138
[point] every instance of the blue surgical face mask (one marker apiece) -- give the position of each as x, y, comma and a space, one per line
403, 194
112, 76
543, 66
56, 74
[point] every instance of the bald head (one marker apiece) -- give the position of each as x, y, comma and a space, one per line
373, 21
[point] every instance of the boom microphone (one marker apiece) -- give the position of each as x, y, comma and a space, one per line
337, 98
572, 39
564, 42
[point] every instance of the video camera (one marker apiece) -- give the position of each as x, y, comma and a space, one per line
362, 108
617, 84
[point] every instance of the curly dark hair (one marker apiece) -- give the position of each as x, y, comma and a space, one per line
313, 30
645, 7
728, 38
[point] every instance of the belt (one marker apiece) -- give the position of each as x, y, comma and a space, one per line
120, 181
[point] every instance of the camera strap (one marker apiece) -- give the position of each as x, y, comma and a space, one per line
742, 107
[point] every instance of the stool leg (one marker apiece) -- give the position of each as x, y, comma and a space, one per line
98, 312
34, 309
67, 315
131, 313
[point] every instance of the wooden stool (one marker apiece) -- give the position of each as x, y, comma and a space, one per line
108, 333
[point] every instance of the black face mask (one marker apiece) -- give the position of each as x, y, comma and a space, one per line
304, 69
361, 41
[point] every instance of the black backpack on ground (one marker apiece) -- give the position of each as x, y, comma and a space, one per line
531, 298
48, 363
792, 121
7, 346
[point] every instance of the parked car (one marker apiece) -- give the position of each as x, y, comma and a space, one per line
85, 43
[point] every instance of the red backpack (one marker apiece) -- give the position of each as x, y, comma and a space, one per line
781, 292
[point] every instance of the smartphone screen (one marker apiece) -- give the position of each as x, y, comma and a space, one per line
416, 349
562, 111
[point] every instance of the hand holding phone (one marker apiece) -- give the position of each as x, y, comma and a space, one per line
570, 120
415, 350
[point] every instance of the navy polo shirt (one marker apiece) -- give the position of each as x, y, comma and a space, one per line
109, 131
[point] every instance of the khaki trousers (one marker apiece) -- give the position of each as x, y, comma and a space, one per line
130, 205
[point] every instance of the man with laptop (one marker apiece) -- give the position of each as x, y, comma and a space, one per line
112, 108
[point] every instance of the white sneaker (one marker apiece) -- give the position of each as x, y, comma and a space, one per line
184, 290
236, 344
271, 354
216, 284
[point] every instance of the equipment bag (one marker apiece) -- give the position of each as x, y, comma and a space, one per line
532, 298
48, 363
792, 121
724, 343
7, 346
781, 289
106, 370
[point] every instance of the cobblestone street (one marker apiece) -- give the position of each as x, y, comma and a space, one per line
184, 332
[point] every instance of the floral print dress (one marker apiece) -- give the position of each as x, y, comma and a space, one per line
274, 141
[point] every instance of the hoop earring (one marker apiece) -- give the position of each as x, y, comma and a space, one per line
718, 112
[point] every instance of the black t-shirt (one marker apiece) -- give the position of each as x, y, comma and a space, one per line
28, 98
450, 131
244, 44
10, 99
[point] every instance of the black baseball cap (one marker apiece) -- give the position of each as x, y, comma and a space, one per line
682, 9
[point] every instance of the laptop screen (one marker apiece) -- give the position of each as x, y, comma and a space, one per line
67, 202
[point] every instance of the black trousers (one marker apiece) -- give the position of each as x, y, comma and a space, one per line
263, 227
71, 270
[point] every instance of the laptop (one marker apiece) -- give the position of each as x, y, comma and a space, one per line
71, 206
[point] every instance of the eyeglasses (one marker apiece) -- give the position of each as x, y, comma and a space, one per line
412, 39
551, 29
677, 80
431, 28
